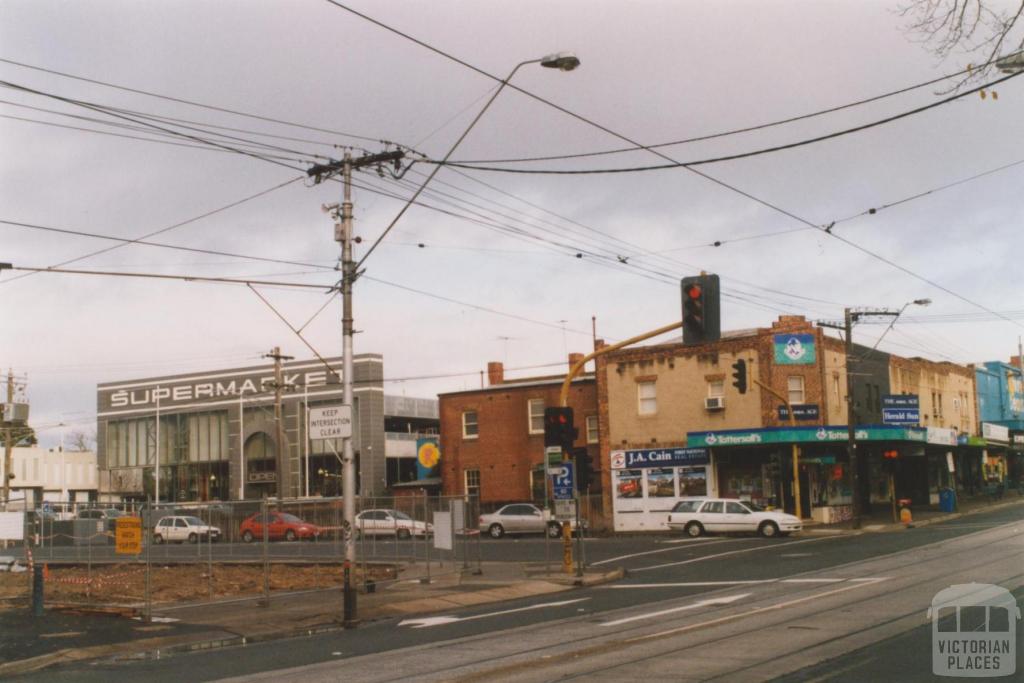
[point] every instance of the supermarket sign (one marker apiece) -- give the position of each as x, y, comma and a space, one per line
826, 434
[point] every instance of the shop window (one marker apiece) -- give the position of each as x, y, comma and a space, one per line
592, 431
795, 385
470, 428
627, 484
693, 481
536, 416
661, 483
716, 388
647, 398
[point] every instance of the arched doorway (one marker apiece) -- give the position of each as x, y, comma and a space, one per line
260, 466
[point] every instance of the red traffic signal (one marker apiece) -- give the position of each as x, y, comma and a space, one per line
891, 454
558, 427
701, 309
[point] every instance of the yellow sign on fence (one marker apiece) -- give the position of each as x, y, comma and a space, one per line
128, 535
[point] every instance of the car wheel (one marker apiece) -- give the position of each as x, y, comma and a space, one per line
158, 539
554, 530
247, 536
769, 529
496, 531
404, 534
289, 535
694, 529
193, 538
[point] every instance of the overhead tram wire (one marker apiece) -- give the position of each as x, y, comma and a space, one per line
138, 240
728, 157
251, 257
736, 131
192, 103
656, 152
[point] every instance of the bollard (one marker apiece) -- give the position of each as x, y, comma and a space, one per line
37, 591
349, 597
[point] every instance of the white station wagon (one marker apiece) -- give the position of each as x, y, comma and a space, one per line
697, 515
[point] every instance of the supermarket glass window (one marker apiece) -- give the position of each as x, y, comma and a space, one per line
647, 397
592, 433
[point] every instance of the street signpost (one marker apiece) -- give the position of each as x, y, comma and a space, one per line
128, 535
564, 481
330, 422
901, 409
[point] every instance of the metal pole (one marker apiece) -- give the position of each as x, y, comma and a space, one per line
265, 524
156, 473
347, 460
305, 431
241, 446
851, 435
8, 443
147, 519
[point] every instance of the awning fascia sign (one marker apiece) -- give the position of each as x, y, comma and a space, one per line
822, 434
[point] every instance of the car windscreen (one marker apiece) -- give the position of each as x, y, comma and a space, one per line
194, 521
400, 515
686, 506
291, 519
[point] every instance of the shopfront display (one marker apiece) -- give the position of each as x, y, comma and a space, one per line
648, 483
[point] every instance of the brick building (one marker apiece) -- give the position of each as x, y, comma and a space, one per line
492, 439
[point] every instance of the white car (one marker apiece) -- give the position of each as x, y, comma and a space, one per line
386, 522
181, 529
697, 515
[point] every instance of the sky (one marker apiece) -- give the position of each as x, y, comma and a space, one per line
517, 268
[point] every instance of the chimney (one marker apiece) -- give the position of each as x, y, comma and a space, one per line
495, 373
575, 358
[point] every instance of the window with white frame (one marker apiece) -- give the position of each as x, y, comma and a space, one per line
471, 479
470, 428
592, 433
647, 398
795, 385
716, 388
535, 424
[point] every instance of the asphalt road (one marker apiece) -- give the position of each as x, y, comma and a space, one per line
669, 578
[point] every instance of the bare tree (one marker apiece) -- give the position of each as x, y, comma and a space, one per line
81, 441
982, 30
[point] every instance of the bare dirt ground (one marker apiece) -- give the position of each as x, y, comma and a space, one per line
124, 584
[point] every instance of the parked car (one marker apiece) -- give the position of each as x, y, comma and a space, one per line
390, 523
281, 525
101, 513
698, 515
520, 518
181, 529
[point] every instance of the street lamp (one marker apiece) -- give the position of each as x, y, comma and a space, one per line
563, 61
851, 316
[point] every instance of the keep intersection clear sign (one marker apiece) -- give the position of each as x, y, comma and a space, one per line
330, 422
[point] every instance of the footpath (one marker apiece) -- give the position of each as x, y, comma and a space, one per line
29, 643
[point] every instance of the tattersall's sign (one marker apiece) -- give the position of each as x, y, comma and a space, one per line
827, 434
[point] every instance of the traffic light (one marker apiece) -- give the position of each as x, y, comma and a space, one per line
584, 468
739, 375
701, 309
558, 428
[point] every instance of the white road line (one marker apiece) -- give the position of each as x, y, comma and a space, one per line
732, 552
668, 550
747, 615
688, 584
812, 580
702, 603
438, 621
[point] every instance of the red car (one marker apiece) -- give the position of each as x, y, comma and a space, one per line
281, 526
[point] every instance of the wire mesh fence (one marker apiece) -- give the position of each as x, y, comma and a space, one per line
252, 549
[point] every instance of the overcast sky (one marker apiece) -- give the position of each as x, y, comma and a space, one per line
651, 71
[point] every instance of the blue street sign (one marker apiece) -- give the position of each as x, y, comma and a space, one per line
901, 416
901, 401
801, 411
564, 481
